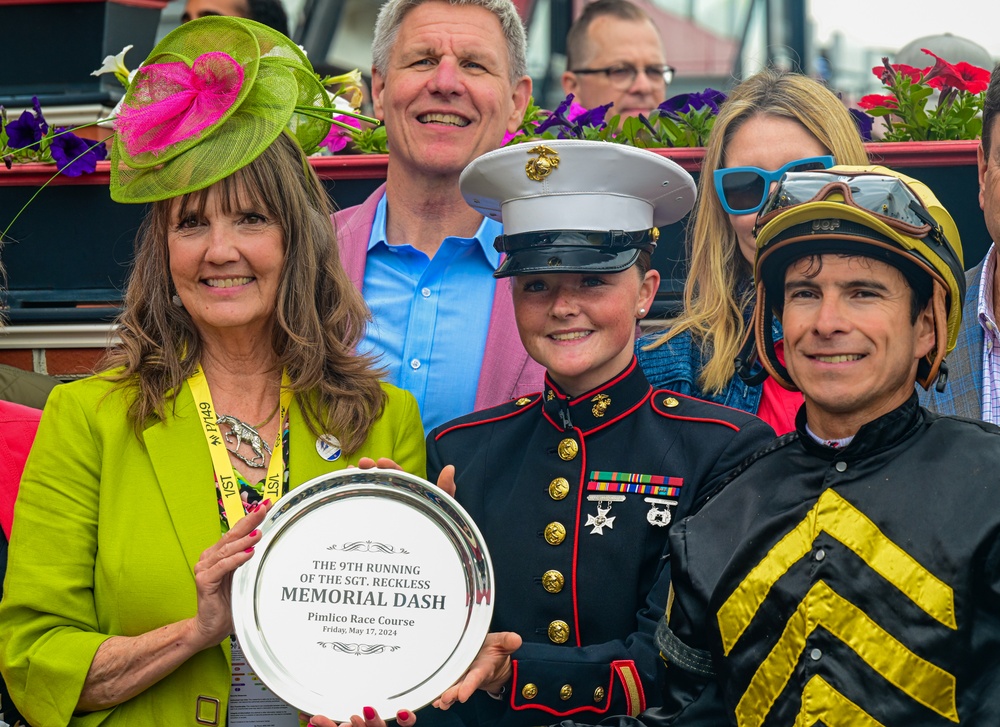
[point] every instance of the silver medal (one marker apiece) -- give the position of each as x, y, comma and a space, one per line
601, 520
659, 514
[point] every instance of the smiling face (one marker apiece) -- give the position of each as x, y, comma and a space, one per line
850, 343
446, 96
613, 41
766, 142
226, 264
581, 327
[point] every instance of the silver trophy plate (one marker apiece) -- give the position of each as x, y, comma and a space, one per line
368, 588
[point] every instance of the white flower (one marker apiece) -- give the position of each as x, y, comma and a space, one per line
109, 122
114, 64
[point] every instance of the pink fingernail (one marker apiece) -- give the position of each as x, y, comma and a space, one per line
254, 533
249, 550
369, 713
402, 715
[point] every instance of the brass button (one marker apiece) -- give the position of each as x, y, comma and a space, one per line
565, 692
553, 581
568, 449
523, 401
670, 402
558, 632
559, 488
555, 533
529, 691
599, 694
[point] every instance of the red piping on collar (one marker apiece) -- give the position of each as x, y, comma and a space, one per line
514, 413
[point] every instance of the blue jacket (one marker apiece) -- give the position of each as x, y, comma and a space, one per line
677, 363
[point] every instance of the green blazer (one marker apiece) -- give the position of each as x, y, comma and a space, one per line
107, 530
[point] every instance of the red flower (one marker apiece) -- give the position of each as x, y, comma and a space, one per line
887, 72
878, 100
976, 79
943, 74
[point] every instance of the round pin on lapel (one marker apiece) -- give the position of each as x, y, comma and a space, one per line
328, 447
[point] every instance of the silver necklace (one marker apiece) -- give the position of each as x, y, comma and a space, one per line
240, 432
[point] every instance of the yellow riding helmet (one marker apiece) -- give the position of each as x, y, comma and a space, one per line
871, 211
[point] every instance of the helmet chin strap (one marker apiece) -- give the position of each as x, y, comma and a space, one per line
765, 341
936, 368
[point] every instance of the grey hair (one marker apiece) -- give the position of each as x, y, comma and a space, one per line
390, 17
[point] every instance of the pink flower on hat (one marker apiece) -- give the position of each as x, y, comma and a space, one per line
172, 102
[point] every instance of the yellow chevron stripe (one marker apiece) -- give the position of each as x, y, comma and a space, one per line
823, 703
923, 681
841, 520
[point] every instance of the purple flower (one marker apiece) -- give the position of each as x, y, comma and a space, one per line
557, 117
687, 102
24, 132
864, 123
572, 118
75, 156
594, 117
38, 114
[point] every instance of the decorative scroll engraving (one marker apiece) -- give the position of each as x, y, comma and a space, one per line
358, 649
369, 546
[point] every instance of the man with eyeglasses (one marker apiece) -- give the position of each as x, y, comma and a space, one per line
849, 572
615, 55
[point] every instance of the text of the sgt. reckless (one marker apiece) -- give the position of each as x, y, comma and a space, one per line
347, 595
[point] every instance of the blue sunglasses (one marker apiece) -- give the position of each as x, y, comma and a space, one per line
742, 190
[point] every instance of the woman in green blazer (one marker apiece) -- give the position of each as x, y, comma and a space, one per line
237, 359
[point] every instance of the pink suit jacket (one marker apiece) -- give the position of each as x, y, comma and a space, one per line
507, 371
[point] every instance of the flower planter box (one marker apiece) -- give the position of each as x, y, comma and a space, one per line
74, 244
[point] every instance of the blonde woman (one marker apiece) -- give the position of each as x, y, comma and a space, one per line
771, 123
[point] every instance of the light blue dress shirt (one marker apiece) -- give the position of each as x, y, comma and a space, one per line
431, 316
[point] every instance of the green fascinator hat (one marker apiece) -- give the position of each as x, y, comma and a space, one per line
209, 99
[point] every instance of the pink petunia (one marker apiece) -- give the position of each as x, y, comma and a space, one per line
338, 137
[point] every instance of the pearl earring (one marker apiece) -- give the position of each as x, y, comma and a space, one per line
642, 312
176, 300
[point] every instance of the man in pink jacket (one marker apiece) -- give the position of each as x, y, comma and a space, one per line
448, 80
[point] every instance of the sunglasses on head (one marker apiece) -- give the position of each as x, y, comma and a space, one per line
742, 190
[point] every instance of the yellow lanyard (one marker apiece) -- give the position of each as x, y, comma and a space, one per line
224, 472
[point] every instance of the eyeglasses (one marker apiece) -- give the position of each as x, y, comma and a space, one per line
742, 190
623, 76
884, 197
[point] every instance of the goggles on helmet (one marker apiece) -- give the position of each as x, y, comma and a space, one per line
887, 198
